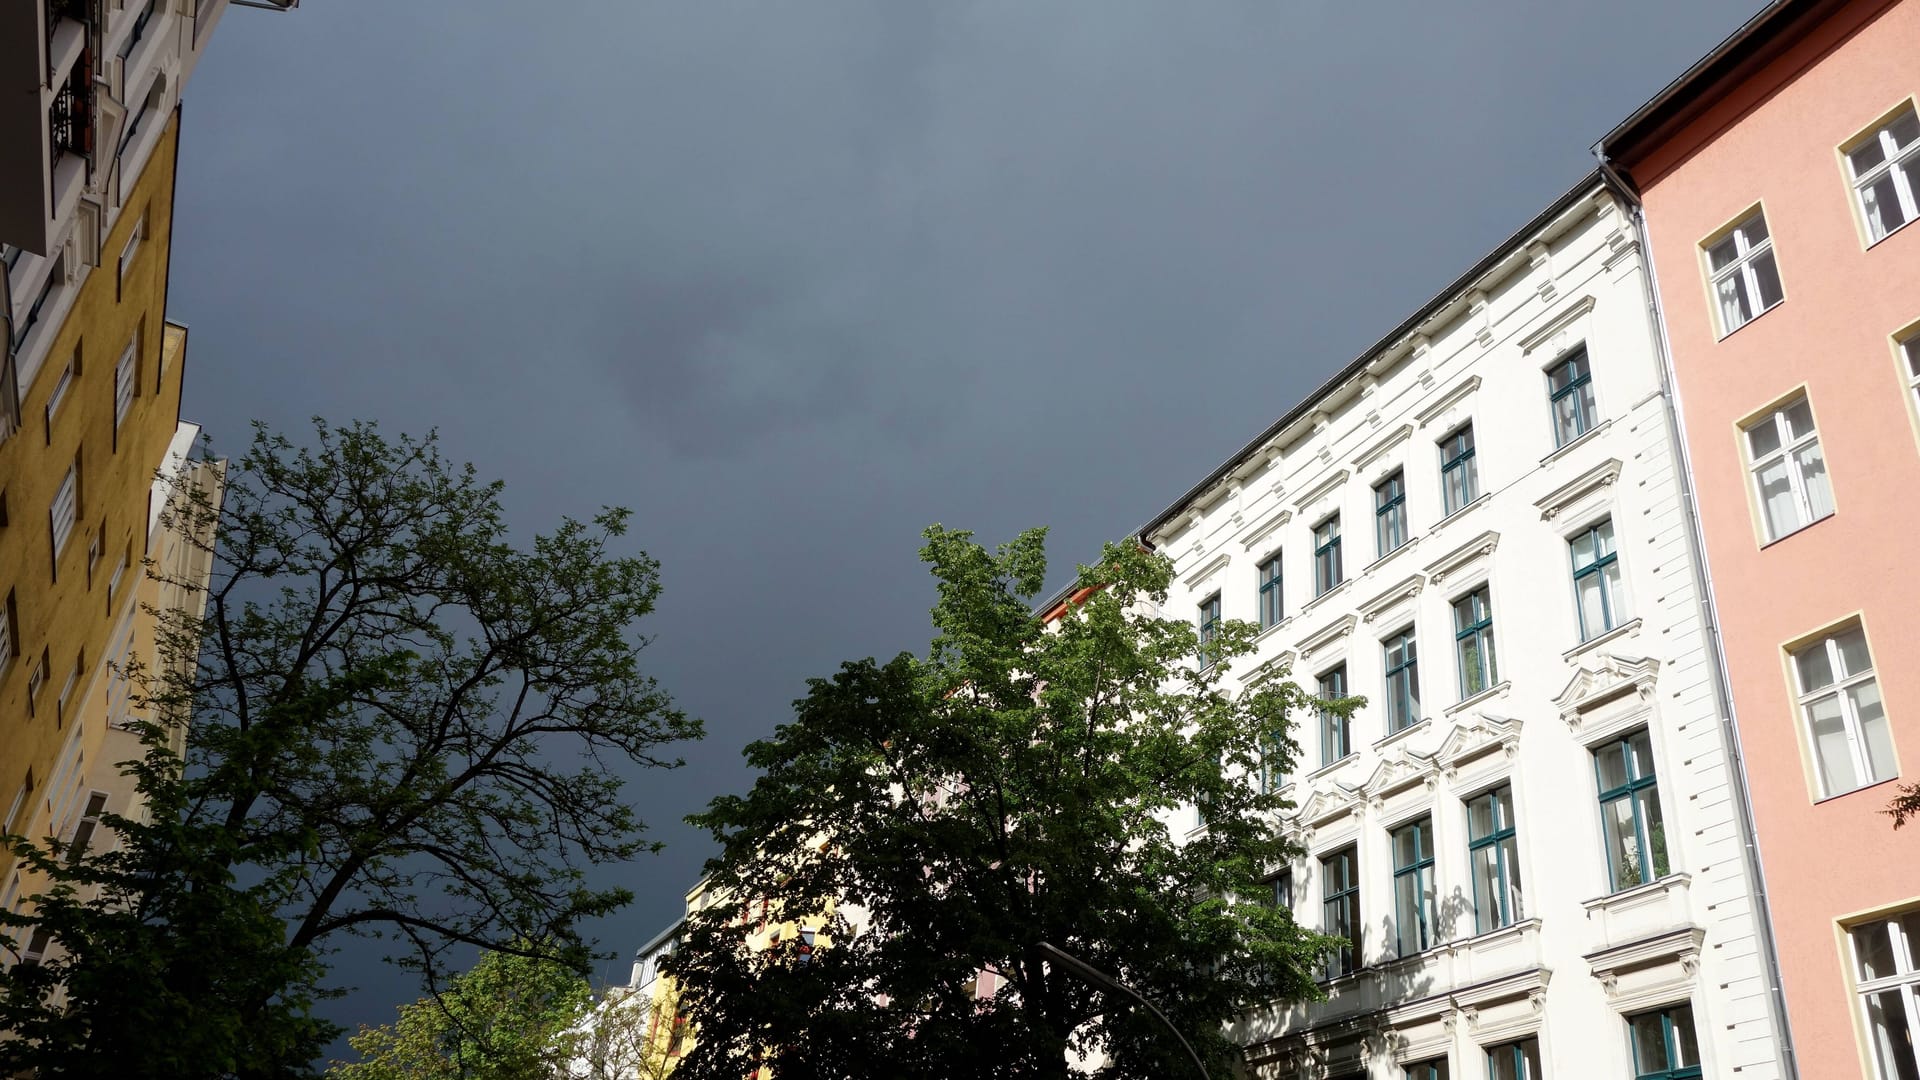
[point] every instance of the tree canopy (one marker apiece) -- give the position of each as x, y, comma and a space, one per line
398, 724
938, 818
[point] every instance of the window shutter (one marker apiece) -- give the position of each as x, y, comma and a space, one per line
123, 386
65, 505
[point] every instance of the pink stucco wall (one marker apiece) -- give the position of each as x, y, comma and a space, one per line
1774, 139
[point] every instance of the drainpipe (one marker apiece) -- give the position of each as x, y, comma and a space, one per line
1703, 587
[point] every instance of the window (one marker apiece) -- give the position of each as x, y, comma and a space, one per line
1326, 555
1886, 957
60, 389
1886, 167
1415, 924
1473, 642
1494, 853
1841, 702
1570, 390
1403, 681
1636, 836
1426, 1070
1596, 580
1283, 890
1745, 280
64, 702
16, 820
139, 29
6, 633
133, 244
1515, 1061
1273, 762
126, 381
1459, 482
1390, 513
1664, 1047
1335, 740
1789, 471
1340, 895
677, 1039
1209, 627
89, 825
36, 682
66, 504
1911, 347
1271, 611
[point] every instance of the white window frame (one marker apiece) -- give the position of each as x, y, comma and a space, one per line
1843, 681
1746, 254
6, 633
1910, 355
133, 245
1906, 977
1901, 165
65, 510
1787, 451
65, 700
126, 382
59, 394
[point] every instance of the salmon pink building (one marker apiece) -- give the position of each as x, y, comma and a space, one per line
1777, 180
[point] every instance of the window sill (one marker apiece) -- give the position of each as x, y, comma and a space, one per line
1625, 629
1478, 501
1390, 556
1423, 722
1855, 791
1325, 596
1497, 690
1756, 318
1785, 536
1577, 441
1897, 229
1264, 634
1329, 767
1636, 895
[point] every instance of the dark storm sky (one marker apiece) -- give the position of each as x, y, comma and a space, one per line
795, 279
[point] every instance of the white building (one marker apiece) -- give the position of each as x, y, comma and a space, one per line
1534, 829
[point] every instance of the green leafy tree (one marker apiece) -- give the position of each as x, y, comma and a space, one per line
387, 721
1905, 805
509, 1018
945, 816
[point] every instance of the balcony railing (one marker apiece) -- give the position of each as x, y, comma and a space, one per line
70, 119
80, 11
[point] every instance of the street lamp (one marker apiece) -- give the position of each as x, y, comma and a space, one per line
1094, 976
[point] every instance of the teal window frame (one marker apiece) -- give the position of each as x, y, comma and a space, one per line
1641, 792
1601, 572
1402, 657
1272, 600
1665, 1028
1209, 626
1473, 642
1273, 762
1425, 1070
1340, 909
1282, 886
1390, 514
1459, 474
1336, 728
1520, 1059
1570, 392
1415, 920
1496, 847
1327, 570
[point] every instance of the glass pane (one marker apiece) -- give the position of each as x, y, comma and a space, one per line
1813, 477
1406, 913
1473, 675
1686, 1048
1648, 801
1734, 308
1913, 356
1873, 949
1777, 504
1816, 668
1799, 416
1406, 847
1583, 549
1763, 438
1721, 255
1640, 750
1482, 819
1603, 537
1905, 130
1615, 597
1487, 894
1881, 202
1865, 699
1649, 1043
1566, 420
1768, 277
1830, 746
1754, 229
1854, 659
1612, 766
1870, 154
1892, 1041
1593, 606
1910, 929
1623, 843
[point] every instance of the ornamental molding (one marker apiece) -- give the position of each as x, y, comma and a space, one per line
1379, 449
1206, 570
1560, 499
1320, 490
1556, 325
1475, 738
1398, 771
1328, 803
1267, 527
1677, 950
1463, 556
1454, 396
1385, 601
1327, 635
1613, 678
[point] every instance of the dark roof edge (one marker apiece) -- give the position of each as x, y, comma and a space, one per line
1588, 183
659, 938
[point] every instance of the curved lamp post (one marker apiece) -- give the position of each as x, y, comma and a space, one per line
1095, 977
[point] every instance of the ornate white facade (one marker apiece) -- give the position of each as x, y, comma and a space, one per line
1564, 944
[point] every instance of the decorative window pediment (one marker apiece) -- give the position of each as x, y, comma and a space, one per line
1565, 329
1392, 598
1651, 971
1320, 491
1476, 738
1440, 409
1618, 691
1586, 490
1205, 570
1328, 803
1327, 636
1466, 557
1267, 527
1380, 447
1398, 771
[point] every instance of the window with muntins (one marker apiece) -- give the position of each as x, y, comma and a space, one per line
1515, 1061
1664, 1046
1789, 471
1886, 961
1282, 884
1390, 514
125, 384
1209, 626
1846, 723
1886, 167
1473, 642
1636, 837
1415, 921
1596, 580
1746, 281
1403, 681
1340, 902
1493, 851
1459, 477
66, 504
1273, 762
1335, 735
1271, 608
1326, 555
1570, 393
59, 394
1426, 1070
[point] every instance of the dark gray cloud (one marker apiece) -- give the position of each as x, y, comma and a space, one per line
796, 279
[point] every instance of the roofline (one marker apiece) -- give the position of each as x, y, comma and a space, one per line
660, 938
1587, 185
1754, 43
